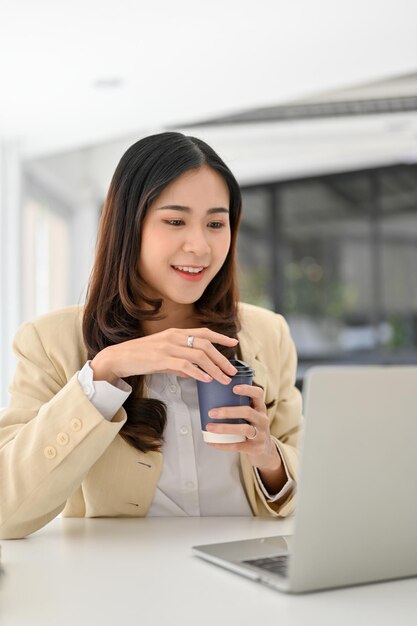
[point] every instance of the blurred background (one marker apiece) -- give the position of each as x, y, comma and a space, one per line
313, 105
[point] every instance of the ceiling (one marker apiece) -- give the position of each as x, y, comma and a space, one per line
75, 73
257, 153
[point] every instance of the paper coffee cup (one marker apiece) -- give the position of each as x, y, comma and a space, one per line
214, 395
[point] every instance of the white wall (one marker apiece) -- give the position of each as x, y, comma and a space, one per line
10, 268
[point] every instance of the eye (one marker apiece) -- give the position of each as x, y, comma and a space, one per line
216, 225
174, 222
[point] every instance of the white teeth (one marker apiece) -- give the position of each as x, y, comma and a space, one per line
192, 270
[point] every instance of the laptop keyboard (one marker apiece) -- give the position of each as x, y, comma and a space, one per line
275, 564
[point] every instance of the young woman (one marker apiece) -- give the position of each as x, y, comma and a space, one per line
103, 418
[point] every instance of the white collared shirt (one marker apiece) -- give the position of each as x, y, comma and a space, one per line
196, 479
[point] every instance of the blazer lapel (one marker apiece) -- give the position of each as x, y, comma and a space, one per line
250, 347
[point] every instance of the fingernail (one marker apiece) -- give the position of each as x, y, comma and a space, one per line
213, 413
226, 379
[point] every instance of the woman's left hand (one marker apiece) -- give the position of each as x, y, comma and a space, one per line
261, 449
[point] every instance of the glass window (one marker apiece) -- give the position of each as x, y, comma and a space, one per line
336, 255
328, 275
397, 190
45, 259
253, 251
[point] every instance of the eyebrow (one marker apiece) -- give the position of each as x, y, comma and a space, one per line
186, 209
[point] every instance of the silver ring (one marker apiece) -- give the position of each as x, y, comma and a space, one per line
190, 341
254, 434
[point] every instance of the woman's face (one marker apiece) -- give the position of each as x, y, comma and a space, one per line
186, 236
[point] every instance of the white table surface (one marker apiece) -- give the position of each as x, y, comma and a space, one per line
142, 571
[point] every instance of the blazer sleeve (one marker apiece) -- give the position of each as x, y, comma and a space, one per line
50, 436
285, 422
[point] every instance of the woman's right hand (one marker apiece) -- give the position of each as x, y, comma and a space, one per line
167, 351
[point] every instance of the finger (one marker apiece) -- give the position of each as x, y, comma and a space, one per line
212, 336
201, 343
232, 429
217, 357
204, 363
185, 369
233, 412
256, 394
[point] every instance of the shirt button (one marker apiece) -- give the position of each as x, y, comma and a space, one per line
62, 439
173, 388
184, 430
50, 452
190, 484
76, 424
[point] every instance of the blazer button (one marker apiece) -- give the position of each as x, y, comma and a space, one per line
62, 439
50, 452
76, 424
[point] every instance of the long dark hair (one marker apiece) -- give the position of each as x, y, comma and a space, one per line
112, 313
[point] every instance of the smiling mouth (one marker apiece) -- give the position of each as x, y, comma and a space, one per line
191, 274
190, 269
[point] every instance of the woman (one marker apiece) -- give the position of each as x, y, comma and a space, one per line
161, 312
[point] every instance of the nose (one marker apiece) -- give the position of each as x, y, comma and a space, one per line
196, 243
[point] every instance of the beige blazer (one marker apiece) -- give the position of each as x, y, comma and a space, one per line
58, 454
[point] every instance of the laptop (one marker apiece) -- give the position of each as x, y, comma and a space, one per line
356, 508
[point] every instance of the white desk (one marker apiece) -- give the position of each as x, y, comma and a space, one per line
141, 571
